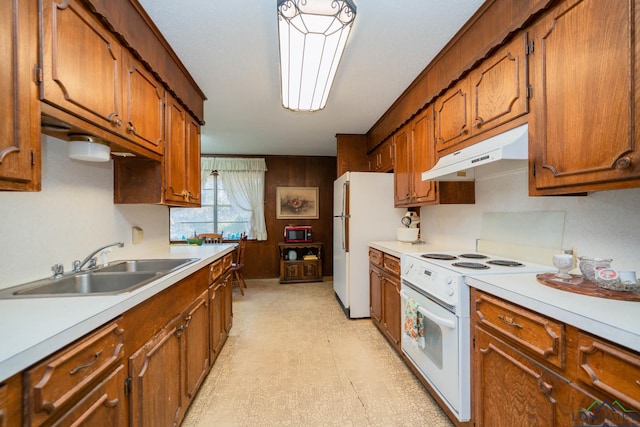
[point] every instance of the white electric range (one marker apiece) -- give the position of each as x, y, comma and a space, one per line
435, 317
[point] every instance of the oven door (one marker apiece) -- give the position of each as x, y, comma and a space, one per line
438, 352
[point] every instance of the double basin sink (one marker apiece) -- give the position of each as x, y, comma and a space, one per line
115, 278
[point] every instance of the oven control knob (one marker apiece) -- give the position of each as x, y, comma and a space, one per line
449, 280
450, 291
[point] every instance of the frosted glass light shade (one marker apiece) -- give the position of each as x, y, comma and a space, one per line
313, 35
88, 148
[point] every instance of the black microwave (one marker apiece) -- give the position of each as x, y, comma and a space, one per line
297, 234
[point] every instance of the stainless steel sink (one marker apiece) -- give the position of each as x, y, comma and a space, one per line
116, 278
136, 265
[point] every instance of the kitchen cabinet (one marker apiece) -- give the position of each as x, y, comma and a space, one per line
530, 369
63, 387
300, 262
579, 142
492, 94
381, 159
453, 116
176, 180
143, 105
384, 286
414, 153
196, 344
220, 304
20, 157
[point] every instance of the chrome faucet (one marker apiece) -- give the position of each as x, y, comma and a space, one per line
77, 264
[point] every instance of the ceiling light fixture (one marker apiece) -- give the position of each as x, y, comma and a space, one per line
313, 34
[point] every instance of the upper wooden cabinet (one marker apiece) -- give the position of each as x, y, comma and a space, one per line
81, 64
414, 153
20, 162
494, 93
584, 132
143, 106
381, 159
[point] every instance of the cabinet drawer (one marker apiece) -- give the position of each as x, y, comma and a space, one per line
537, 335
375, 256
392, 264
215, 270
227, 261
61, 379
609, 368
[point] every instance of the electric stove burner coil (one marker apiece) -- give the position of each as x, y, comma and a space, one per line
505, 263
471, 265
444, 257
474, 256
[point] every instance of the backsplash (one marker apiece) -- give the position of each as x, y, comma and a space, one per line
73, 215
602, 224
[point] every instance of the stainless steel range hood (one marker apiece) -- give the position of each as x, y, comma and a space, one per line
458, 166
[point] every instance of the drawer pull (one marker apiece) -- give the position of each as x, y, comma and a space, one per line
509, 321
81, 367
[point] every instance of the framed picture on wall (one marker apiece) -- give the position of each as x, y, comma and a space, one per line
297, 203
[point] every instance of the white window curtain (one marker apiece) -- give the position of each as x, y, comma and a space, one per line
243, 180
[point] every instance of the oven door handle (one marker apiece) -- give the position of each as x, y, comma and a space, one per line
440, 321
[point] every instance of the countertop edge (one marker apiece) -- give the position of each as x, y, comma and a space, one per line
26, 357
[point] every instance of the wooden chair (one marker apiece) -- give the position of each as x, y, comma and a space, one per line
210, 237
236, 267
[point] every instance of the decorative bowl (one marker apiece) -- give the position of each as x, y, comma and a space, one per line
194, 241
588, 266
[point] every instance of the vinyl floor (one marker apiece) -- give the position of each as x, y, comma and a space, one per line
294, 359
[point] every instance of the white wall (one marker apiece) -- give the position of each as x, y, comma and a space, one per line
73, 215
604, 224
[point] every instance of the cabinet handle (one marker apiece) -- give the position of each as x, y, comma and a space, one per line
545, 388
509, 321
131, 128
463, 130
478, 123
81, 367
623, 163
115, 121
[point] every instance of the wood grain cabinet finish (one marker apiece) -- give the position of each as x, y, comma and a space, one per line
543, 338
57, 383
384, 295
300, 269
414, 153
381, 159
20, 159
220, 305
516, 384
453, 116
143, 106
585, 78
510, 389
196, 344
81, 64
4, 405
499, 87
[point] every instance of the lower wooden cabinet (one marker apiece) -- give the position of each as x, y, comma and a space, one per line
300, 262
196, 344
220, 313
384, 294
529, 369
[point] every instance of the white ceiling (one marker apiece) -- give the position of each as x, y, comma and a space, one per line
231, 50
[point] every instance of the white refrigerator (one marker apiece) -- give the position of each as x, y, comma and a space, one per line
362, 212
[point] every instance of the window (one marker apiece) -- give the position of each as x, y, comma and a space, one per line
232, 201
216, 215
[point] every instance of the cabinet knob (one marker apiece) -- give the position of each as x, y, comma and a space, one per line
115, 121
131, 128
623, 163
478, 122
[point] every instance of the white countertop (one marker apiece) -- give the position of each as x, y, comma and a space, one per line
615, 320
33, 328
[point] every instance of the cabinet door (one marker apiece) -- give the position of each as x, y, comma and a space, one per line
216, 319
584, 135
196, 344
423, 157
19, 107
591, 410
499, 87
391, 309
375, 294
4, 405
175, 158
228, 303
453, 116
512, 390
156, 387
104, 406
310, 270
192, 165
81, 64
402, 168
143, 106
292, 270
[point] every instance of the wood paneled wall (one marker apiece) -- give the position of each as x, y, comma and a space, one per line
261, 258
